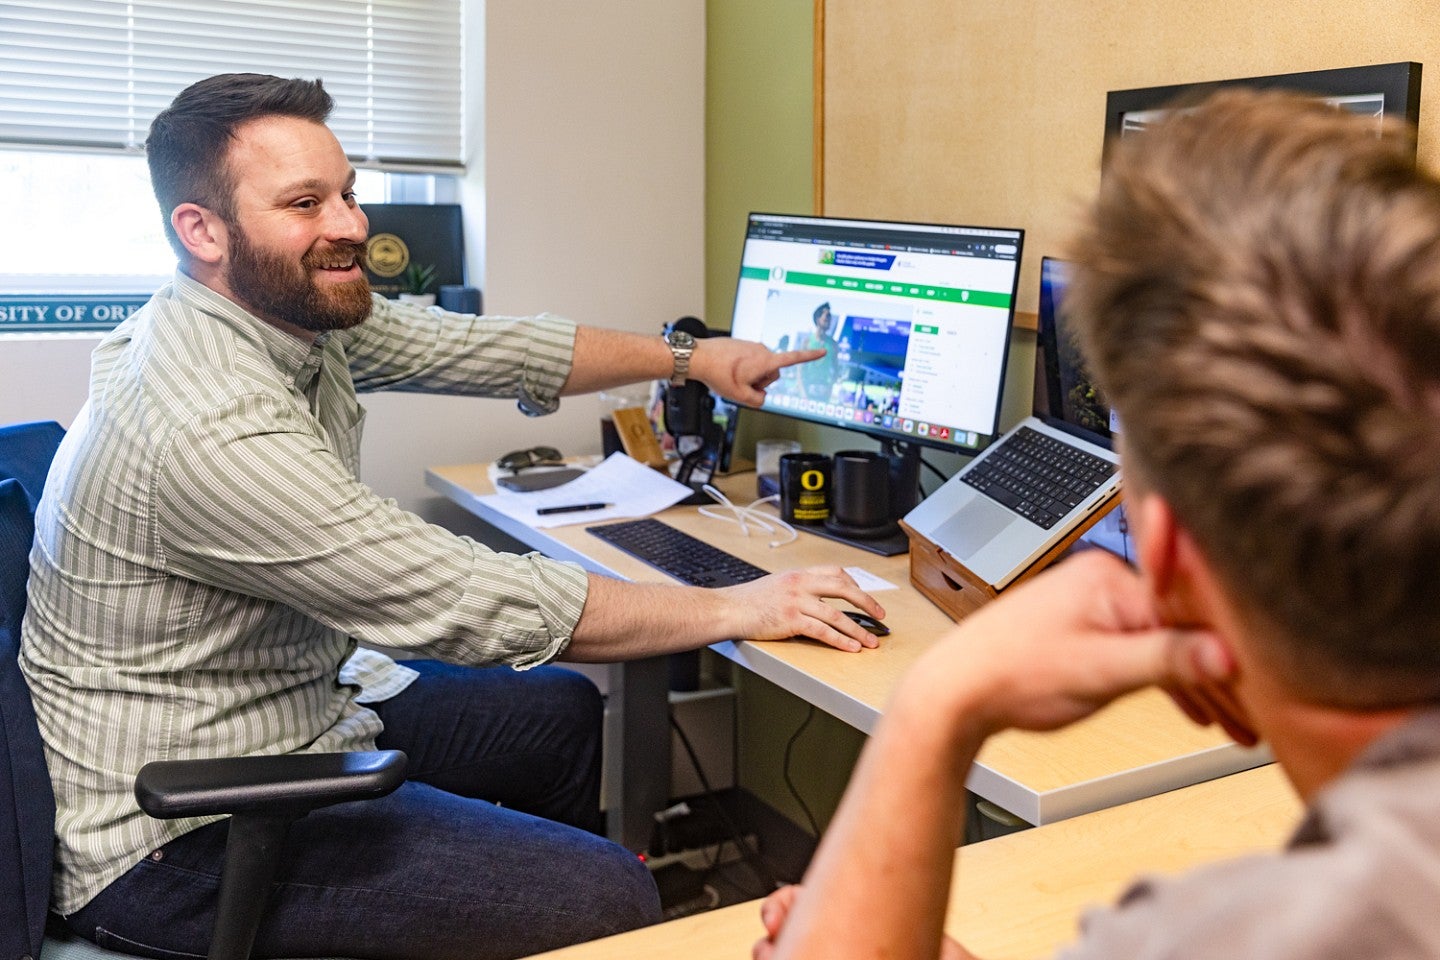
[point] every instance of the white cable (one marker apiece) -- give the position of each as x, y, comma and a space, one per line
749, 515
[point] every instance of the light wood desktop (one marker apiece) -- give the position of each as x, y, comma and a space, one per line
1138, 747
1021, 896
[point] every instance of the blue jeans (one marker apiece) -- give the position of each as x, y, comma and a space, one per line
437, 869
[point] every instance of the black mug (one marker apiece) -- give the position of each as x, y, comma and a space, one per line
860, 500
804, 488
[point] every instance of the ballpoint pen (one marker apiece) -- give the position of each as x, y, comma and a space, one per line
572, 508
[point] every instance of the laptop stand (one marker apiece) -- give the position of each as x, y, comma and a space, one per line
957, 591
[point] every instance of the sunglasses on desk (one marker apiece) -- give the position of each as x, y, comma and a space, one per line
517, 460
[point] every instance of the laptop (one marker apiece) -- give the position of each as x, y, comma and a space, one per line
1041, 479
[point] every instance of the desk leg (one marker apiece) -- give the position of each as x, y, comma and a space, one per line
637, 754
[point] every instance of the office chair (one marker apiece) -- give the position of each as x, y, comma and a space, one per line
262, 795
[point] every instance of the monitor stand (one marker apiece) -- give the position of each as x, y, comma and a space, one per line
890, 540
891, 544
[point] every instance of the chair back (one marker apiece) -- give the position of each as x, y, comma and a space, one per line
27, 805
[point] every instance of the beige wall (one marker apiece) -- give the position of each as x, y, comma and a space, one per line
584, 197
993, 113
594, 159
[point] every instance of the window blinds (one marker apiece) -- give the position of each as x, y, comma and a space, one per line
91, 74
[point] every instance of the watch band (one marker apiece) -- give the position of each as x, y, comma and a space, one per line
682, 347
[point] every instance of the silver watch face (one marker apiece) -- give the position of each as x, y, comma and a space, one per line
682, 345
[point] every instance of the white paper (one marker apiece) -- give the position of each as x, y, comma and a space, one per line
631, 488
868, 581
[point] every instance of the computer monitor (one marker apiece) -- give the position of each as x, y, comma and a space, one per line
1067, 398
1065, 393
915, 319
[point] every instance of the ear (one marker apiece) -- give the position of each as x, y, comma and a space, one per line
1153, 524
202, 232
1175, 569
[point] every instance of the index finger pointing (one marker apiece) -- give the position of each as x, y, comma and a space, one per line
788, 358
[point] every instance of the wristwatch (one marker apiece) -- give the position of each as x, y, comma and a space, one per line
682, 345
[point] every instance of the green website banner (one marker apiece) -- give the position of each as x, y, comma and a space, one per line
890, 288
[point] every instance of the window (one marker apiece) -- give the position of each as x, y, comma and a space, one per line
91, 74
91, 225
83, 79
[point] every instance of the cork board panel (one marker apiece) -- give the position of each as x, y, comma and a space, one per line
992, 113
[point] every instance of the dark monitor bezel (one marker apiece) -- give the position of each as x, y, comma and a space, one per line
892, 437
1399, 83
1048, 381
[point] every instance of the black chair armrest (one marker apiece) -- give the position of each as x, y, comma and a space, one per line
288, 784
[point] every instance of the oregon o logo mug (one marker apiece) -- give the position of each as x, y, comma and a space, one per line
804, 488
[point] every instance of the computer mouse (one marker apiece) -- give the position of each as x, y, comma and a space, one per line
868, 622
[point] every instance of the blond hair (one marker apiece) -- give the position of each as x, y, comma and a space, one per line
1259, 287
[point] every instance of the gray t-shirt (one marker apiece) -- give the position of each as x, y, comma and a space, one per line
1360, 878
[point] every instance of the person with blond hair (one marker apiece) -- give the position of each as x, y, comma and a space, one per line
1258, 284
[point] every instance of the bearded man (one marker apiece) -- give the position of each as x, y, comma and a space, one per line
207, 560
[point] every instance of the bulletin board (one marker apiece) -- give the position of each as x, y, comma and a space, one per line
992, 112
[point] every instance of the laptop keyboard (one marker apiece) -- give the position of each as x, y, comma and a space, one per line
678, 554
1039, 477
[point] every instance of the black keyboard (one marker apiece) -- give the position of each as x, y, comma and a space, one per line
1039, 477
677, 553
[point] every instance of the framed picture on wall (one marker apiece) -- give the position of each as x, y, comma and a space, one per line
414, 235
1382, 90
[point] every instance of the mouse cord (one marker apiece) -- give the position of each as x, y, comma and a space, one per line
789, 782
748, 516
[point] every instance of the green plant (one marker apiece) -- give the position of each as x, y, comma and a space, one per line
418, 278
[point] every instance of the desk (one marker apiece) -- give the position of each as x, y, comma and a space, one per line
1138, 747
1020, 896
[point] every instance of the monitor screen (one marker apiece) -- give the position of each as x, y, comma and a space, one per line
914, 318
1065, 393
1066, 397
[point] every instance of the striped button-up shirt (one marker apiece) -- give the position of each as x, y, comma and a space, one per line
206, 559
